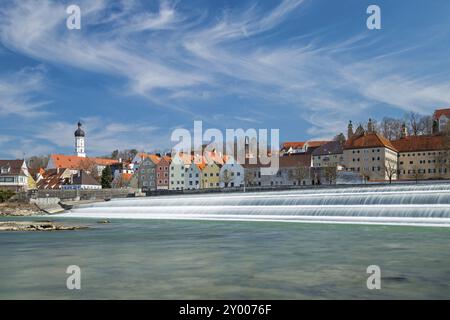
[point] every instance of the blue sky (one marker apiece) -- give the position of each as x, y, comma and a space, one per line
139, 69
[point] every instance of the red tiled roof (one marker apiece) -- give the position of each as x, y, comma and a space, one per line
439, 112
77, 163
419, 143
368, 140
155, 159
53, 179
315, 144
293, 145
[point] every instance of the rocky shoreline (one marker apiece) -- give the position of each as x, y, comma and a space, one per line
15, 209
37, 226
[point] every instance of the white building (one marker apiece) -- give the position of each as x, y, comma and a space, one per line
14, 175
177, 171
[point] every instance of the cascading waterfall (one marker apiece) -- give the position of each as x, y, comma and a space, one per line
394, 204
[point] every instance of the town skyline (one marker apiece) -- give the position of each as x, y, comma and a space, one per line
136, 71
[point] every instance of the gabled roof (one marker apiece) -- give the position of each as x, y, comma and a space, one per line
214, 157
15, 167
332, 147
419, 143
83, 178
441, 112
167, 158
78, 163
153, 157
368, 140
53, 179
182, 158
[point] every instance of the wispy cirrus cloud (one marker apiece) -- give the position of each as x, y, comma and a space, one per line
103, 136
181, 58
17, 93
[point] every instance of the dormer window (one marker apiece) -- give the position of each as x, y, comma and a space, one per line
5, 169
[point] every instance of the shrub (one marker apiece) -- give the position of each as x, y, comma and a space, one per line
5, 195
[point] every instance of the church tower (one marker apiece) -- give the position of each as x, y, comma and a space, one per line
350, 130
79, 142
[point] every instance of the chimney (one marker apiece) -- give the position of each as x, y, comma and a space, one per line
350, 130
404, 132
370, 126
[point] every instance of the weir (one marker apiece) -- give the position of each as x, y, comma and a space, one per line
393, 204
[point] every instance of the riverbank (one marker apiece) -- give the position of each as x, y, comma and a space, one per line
37, 226
17, 209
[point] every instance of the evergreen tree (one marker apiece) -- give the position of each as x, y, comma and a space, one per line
107, 177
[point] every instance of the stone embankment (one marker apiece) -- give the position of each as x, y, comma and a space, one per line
16, 209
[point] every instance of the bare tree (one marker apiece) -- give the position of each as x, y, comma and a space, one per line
391, 170
414, 119
226, 177
340, 138
365, 174
37, 162
249, 177
300, 173
391, 128
330, 174
90, 167
119, 182
425, 125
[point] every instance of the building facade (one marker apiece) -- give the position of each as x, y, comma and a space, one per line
177, 171
193, 176
14, 176
162, 173
211, 175
231, 174
82, 181
371, 155
146, 174
330, 154
422, 157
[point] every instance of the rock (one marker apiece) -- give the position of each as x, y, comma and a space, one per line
36, 226
104, 221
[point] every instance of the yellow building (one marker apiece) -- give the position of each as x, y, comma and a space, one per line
210, 176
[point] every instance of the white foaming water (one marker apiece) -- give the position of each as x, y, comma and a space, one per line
424, 205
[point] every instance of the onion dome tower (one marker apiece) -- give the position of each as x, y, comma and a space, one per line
79, 142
